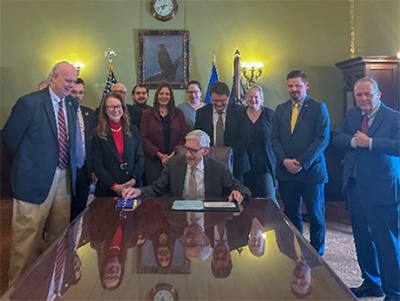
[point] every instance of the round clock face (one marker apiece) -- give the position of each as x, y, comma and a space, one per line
163, 295
163, 292
163, 9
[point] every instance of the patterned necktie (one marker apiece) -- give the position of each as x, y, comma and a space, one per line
192, 191
364, 124
80, 155
219, 131
62, 138
295, 113
59, 265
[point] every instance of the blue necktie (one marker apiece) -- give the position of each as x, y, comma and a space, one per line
80, 156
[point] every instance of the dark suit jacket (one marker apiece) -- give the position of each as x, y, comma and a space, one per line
135, 113
218, 180
306, 144
236, 133
106, 164
377, 170
90, 120
152, 133
31, 139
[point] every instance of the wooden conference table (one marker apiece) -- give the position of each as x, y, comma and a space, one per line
141, 254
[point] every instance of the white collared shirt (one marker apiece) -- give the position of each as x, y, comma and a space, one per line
199, 174
54, 101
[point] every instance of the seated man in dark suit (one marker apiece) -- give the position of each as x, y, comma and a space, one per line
194, 176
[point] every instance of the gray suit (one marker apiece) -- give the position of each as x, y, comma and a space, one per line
218, 180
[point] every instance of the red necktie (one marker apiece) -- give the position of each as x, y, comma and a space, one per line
364, 124
60, 263
62, 138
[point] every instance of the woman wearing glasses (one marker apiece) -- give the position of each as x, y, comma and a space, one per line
117, 154
162, 128
192, 104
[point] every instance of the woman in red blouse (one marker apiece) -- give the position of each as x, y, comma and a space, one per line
162, 128
117, 154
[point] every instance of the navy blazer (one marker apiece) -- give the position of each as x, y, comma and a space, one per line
306, 144
106, 164
236, 133
31, 139
376, 170
218, 180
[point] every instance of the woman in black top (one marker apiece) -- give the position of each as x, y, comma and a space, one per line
260, 179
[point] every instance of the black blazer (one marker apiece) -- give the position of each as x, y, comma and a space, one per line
90, 122
236, 134
306, 144
106, 164
218, 180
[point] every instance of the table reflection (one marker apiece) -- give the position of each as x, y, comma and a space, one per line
154, 251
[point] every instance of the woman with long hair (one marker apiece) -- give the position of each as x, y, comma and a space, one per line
117, 154
162, 128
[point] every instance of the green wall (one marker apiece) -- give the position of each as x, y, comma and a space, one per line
284, 35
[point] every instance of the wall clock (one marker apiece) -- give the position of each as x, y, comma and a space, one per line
163, 292
163, 10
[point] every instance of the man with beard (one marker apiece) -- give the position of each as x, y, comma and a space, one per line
300, 134
140, 94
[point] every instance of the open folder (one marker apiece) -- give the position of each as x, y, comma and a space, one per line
198, 205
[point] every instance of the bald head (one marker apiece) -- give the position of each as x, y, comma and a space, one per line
120, 89
62, 78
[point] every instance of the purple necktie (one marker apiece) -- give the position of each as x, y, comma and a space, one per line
364, 124
62, 138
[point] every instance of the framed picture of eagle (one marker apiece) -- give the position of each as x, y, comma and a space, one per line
164, 57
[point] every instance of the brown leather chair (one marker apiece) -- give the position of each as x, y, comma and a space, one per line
223, 153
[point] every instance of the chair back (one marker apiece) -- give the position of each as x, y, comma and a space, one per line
222, 153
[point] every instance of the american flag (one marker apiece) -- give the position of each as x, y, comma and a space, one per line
111, 80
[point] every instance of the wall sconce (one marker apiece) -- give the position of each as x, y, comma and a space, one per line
252, 71
78, 66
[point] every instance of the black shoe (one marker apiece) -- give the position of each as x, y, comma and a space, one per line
366, 291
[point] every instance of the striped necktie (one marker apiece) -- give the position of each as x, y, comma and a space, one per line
62, 138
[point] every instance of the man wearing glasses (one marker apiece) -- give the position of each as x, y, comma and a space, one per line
84, 177
212, 177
